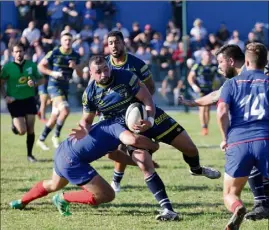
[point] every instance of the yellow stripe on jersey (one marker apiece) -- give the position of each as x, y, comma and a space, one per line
147, 78
144, 68
167, 131
65, 53
48, 55
133, 79
64, 66
118, 104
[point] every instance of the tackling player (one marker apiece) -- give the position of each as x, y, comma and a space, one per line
59, 65
201, 79
71, 164
246, 137
111, 92
21, 77
120, 59
231, 63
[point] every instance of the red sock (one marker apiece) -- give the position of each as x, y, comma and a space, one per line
34, 193
235, 205
82, 197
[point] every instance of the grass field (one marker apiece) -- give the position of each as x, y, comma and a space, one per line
198, 199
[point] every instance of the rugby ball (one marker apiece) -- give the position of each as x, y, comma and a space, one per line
134, 114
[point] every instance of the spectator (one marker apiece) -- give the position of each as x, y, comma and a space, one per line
212, 42
129, 46
27, 48
135, 31
55, 11
47, 39
251, 38
101, 31
179, 90
69, 29
96, 46
170, 42
31, 33
171, 28
223, 33
236, 41
89, 14
71, 16
86, 34
165, 62
40, 13
81, 47
196, 45
10, 32
168, 85
198, 29
145, 37
123, 30
156, 43
177, 13
24, 13
143, 54
39, 54
109, 11
259, 33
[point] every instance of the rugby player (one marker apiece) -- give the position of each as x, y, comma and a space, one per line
246, 137
111, 92
165, 128
201, 79
59, 65
120, 59
44, 100
21, 77
231, 63
71, 165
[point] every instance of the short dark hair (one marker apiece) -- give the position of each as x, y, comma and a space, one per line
231, 51
115, 34
97, 59
257, 54
18, 44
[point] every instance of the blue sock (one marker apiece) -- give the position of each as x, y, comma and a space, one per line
59, 126
255, 181
156, 186
117, 177
45, 133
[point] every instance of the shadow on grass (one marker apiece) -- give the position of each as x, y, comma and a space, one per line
44, 160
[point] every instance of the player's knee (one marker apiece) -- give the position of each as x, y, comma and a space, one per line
21, 131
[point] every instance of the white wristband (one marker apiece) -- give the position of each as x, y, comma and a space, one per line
195, 88
151, 120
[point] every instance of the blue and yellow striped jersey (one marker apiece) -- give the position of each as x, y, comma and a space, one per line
59, 61
205, 75
112, 99
132, 64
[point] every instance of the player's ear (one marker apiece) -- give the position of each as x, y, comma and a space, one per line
231, 61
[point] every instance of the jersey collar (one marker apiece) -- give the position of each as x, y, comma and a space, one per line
124, 62
65, 53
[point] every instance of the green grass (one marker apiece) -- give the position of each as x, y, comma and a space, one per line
198, 199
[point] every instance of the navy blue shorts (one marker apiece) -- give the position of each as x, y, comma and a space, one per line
56, 91
241, 158
43, 89
165, 128
71, 168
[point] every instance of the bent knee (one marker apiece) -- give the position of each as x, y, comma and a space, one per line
21, 132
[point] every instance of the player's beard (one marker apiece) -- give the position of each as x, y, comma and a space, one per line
230, 73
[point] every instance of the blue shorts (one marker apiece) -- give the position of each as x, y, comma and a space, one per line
165, 128
43, 89
55, 91
71, 168
241, 158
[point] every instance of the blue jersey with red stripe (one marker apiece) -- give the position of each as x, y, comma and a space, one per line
247, 96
